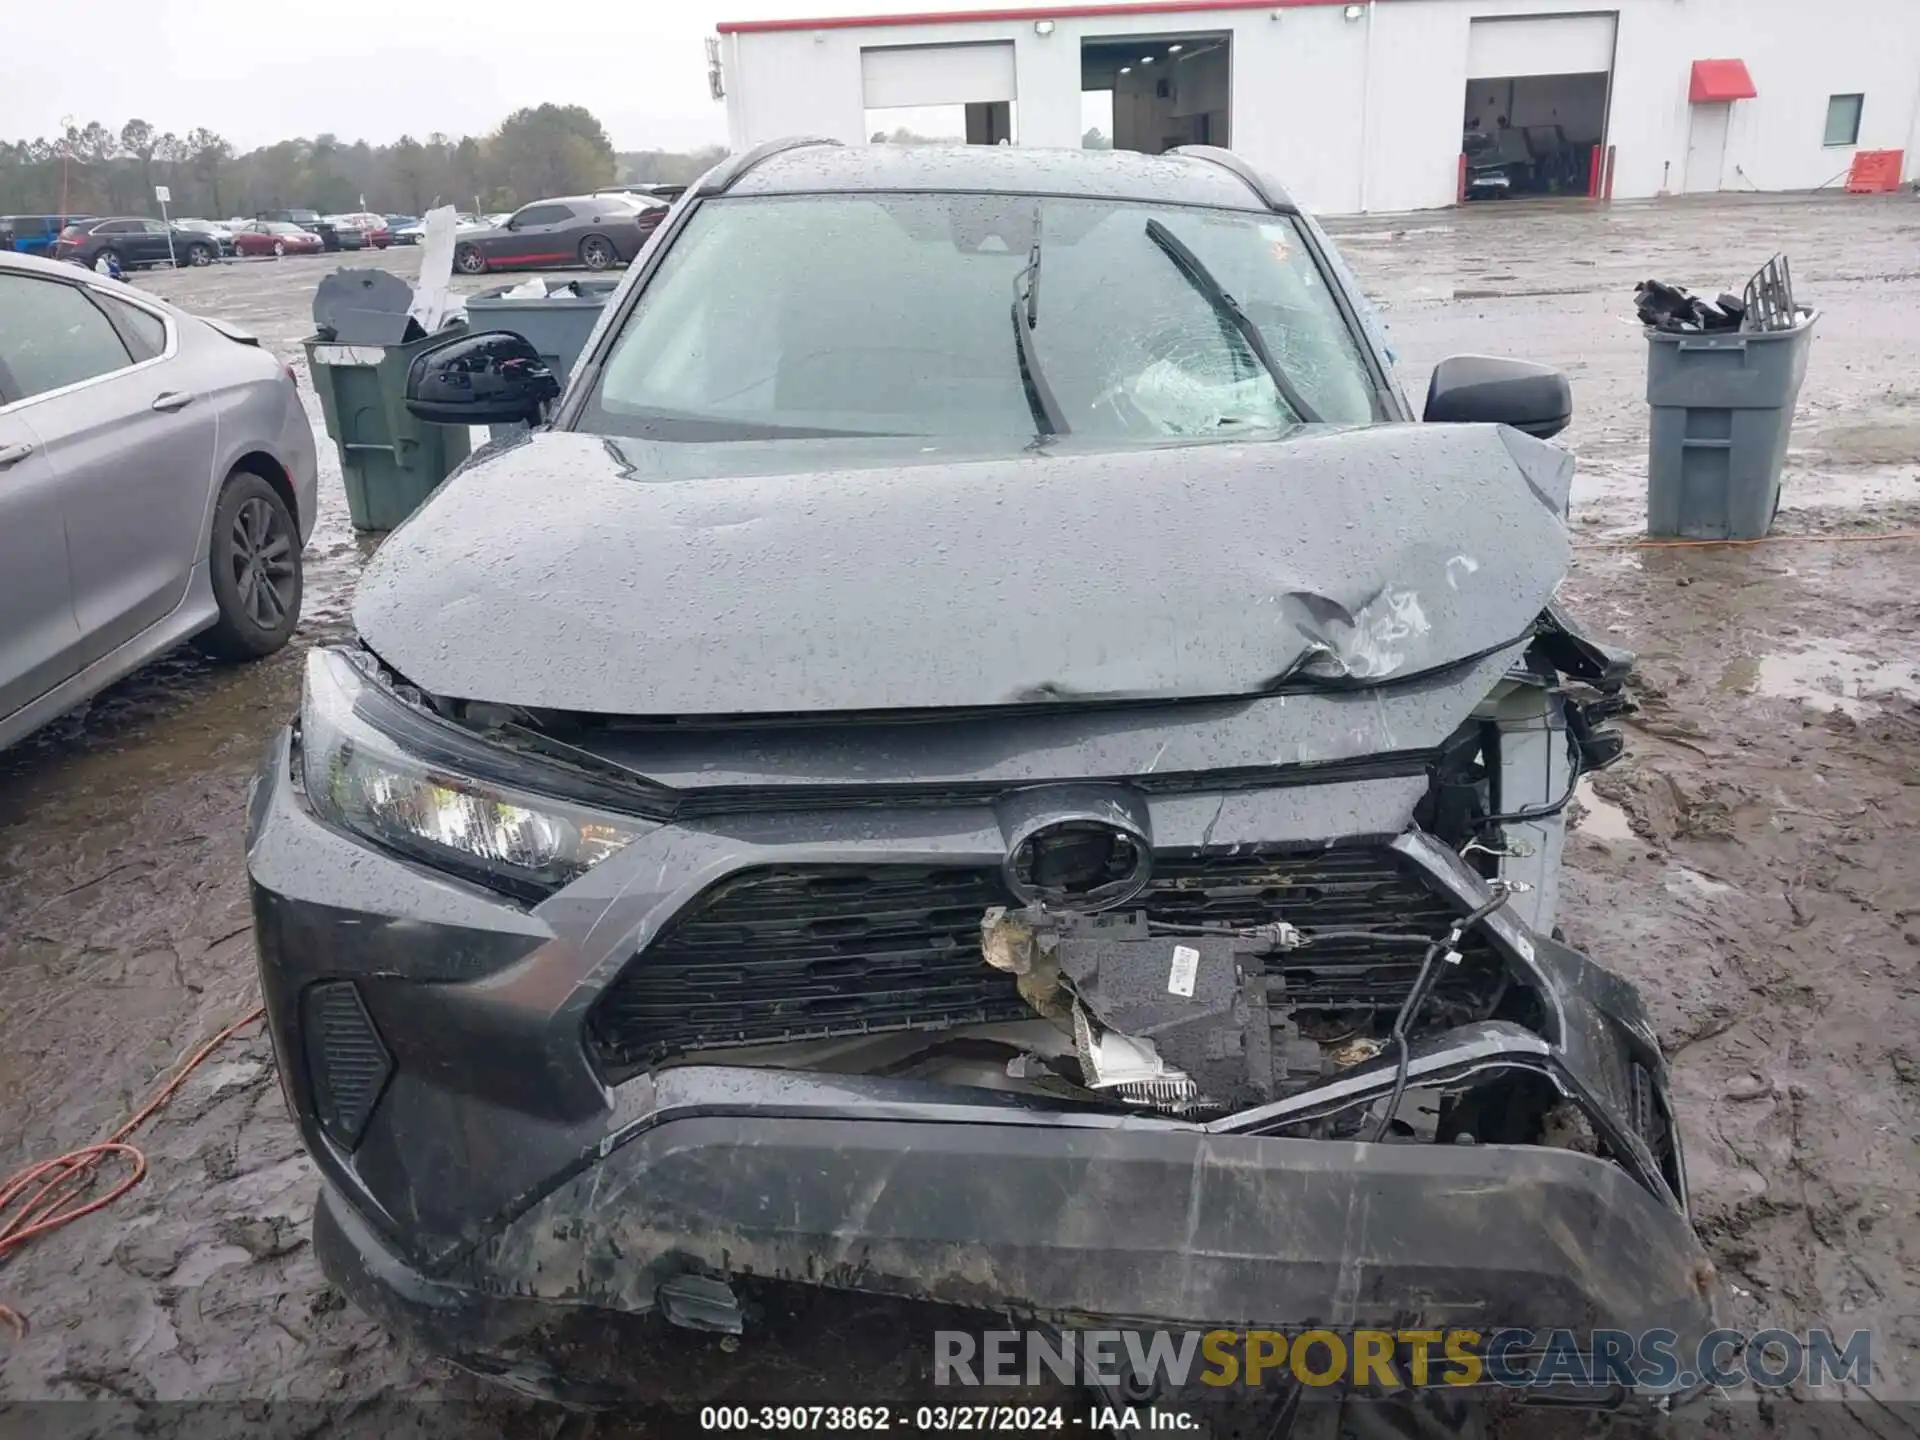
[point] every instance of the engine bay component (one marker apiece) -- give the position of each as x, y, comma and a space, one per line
1176, 1023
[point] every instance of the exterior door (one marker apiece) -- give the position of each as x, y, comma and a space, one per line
154, 243
131, 444
538, 235
39, 636
1707, 147
126, 237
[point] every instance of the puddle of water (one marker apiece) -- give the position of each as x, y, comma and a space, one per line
1600, 817
1825, 680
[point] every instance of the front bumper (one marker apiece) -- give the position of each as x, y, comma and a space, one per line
499, 1180
901, 1189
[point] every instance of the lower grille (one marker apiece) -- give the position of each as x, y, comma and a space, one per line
805, 953
1649, 1118
348, 1065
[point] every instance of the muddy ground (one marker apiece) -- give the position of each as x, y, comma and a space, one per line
1750, 863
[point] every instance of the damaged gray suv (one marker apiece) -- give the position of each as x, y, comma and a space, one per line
977, 755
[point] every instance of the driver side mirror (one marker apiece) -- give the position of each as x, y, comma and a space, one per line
1484, 390
493, 378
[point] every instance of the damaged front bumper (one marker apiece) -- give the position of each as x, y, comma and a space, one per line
487, 1179
1069, 1218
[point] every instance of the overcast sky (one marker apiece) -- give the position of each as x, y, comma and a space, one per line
263, 70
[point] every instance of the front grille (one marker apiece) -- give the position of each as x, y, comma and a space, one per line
1344, 889
808, 952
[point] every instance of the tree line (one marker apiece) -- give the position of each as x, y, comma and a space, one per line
536, 152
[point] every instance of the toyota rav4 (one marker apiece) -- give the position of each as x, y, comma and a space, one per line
977, 754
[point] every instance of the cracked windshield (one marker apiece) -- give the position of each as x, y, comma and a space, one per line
942, 315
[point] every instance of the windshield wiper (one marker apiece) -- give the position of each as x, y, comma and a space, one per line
1026, 314
1226, 306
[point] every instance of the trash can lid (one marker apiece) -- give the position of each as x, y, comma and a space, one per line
364, 307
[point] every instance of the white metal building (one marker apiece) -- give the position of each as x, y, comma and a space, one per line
1371, 106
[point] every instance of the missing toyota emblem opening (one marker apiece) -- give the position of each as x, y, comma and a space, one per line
1079, 865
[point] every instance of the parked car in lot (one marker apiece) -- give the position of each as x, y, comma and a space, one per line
216, 228
34, 234
307, 220
597, 231
404, 229
372, 228
157, 484
349, 232
275, 237
133, 244
1009, 769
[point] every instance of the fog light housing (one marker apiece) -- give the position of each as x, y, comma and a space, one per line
348, 1065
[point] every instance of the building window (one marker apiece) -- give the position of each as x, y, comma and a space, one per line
1843, 119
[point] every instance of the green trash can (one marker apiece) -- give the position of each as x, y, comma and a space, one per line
389, 460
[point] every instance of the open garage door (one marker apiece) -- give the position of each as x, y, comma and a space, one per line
1536, 105
1156, 92
917, 79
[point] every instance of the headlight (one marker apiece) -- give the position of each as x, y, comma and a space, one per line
376, 766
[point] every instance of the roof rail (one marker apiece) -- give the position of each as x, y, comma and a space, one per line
722, 177
1269, 195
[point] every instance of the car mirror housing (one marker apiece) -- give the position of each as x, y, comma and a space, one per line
491, 378
1487, 390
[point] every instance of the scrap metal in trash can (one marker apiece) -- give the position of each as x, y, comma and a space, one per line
359, 355
1722, 381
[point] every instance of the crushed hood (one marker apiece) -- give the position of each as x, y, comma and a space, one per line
559, 574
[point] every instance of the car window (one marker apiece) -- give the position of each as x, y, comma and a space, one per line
153, 227
144, 331
892, 314
51, 335
542, 215
117, 227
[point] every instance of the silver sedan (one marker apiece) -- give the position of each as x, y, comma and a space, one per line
157, 480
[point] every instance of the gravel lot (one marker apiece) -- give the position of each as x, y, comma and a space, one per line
1750, 863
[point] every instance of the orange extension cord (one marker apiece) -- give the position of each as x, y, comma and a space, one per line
64, 1181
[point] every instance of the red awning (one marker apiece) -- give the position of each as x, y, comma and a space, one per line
1718, 80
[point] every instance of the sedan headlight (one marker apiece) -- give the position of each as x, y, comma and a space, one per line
415, 784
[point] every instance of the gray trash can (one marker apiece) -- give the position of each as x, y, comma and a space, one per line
1722, 414
555, 325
